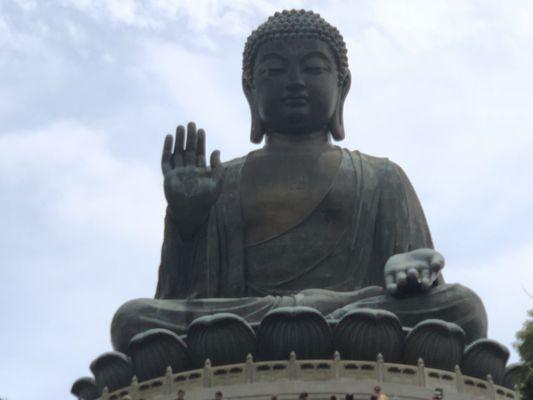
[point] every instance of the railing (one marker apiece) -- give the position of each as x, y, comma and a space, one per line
312, 370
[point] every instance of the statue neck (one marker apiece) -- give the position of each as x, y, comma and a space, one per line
313, 141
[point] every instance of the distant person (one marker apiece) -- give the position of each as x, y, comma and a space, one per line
274, 397
349, 397
181, 395
219, 396
378, 395
333, 397
303, 396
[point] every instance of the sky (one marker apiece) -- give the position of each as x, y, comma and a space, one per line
89, 88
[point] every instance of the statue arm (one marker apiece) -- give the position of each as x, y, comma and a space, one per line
179, 260
411, 221
191, 189
402, 226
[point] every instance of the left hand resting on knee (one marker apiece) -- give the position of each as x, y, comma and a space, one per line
413, 271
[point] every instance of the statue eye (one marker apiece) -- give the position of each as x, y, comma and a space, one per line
315, 65
271, 71
314, 70
275, 71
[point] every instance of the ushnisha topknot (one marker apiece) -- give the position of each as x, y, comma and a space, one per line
295, 23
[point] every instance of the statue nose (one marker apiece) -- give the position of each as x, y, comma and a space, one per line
295, 81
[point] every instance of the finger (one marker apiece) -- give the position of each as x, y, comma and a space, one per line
216, 165
200, 153
214, 161
166, 157
437, 261
401, 278
190, 147
433, 276
425, 282
413, 275
178, 146
392, 288
390, 284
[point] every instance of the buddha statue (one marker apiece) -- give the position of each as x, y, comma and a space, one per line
300, 221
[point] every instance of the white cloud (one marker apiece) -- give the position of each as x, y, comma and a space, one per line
26, 5
205, 88
500, 282
5, 32
82, 185
226, 17
443, 22
83, 232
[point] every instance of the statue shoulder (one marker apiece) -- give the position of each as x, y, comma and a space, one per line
232, 171
383, 170
381, 166
235, 163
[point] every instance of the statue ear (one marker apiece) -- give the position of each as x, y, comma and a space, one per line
336, 124
256, 131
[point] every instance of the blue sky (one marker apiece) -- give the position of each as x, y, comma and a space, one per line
88, 90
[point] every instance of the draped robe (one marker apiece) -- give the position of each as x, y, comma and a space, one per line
383, 218
380, 215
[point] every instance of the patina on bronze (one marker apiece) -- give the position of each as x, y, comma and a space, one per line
299, 222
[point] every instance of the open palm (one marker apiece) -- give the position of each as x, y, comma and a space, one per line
191, 188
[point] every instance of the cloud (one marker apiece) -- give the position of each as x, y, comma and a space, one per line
205, 88
219, 17
83, 230
71, 169
502, 283
26, 5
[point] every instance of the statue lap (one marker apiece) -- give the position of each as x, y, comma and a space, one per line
449, 302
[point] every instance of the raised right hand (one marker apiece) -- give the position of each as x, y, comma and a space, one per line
191, 188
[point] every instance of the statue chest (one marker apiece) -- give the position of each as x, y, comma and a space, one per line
280, 191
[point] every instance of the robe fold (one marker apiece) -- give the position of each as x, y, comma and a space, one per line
383, 217
338, 252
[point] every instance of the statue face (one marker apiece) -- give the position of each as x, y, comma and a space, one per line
295, 85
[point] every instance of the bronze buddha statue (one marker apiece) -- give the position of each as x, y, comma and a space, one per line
299, 221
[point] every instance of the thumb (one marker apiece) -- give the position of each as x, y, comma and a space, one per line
437, 261
216, 165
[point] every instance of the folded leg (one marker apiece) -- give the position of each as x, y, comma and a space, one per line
449, 302
139, 315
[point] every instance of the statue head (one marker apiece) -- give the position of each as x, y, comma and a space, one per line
295, 76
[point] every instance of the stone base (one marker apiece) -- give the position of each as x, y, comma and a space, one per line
319, 378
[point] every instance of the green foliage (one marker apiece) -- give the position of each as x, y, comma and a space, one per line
525, 340
524, 346
526, 387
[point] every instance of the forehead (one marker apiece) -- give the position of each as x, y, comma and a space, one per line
294, 47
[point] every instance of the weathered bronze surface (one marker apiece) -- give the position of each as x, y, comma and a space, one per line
300, 221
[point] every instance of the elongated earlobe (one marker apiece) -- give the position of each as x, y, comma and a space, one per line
336, 124
256, 131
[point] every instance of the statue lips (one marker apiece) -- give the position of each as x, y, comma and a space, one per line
295, 100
